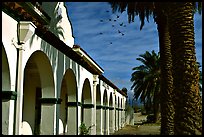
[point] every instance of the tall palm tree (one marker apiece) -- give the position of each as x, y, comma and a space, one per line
146, 9
146, 81
167, 105
188, 109
175, 18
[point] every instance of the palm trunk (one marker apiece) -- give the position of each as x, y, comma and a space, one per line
156, 107
188, 109
156, 99
167, 107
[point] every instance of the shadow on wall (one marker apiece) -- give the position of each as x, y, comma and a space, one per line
54, 13
56, 18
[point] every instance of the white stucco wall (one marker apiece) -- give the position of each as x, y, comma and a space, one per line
9, 33
61, 27
52, 66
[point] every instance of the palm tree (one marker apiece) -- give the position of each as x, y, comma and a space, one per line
146, 9
146, 81
167, 105
172, 15
188, 109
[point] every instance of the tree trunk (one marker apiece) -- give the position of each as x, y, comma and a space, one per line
167, 107
188, 109
156, 110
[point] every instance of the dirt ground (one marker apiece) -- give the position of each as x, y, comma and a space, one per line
145, 129
139, 127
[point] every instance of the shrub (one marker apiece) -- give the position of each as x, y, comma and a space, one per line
84, 130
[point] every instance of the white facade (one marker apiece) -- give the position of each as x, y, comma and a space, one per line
47, 91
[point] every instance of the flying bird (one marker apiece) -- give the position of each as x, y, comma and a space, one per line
112, 25
101, 20
101, 33
107, 11
121, 24
119, 31
109, 19
114, 20
123, 34
118, 16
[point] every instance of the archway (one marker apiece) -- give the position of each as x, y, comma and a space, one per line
118, 113
121, 113
105, 110
86, 103
6, 84
68, 107
111, 116
38, 109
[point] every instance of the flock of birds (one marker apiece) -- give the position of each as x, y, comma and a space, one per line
113, 25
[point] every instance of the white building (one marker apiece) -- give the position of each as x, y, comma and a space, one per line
49, 84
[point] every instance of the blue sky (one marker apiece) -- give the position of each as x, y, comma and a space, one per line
113, 42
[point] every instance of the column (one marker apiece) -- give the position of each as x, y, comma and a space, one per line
72, 118
111, 122
48, 106
95, 82
99, 119
19, 101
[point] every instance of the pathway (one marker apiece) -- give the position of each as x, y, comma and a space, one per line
145, 129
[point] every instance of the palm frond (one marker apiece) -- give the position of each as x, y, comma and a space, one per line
141, 9
145, 77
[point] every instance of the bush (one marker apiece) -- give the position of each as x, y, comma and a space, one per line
84, 130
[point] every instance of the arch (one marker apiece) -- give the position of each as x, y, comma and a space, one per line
68, 110
116, 114
105, 116
86, 92
6, 82
111, 116
105, 98
121, 112
111, 100
86, 103
38, 83
118, 102
98, 95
